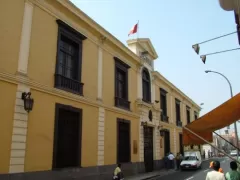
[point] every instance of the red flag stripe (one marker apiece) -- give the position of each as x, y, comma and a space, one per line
133, 30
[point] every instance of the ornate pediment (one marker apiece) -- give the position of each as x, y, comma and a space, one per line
143, 45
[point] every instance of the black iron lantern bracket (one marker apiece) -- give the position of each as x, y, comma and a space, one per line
28, 101
144, 124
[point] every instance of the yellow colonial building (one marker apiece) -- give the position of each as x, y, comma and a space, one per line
76, 101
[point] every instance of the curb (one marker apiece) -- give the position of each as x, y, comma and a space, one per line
159, 175
207, 159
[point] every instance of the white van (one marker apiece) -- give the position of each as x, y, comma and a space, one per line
191, 160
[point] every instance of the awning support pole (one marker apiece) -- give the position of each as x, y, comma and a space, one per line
210, 144
226, 140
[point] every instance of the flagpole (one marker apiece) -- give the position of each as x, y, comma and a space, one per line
137, 34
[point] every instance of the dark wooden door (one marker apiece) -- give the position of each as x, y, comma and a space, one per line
166, 142
67, 150
181, 148
148, 149
124, 148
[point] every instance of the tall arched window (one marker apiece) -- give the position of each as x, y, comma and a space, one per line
146, 85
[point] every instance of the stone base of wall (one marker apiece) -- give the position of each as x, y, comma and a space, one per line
88, 173
158, 165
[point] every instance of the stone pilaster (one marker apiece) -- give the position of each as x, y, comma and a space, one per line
19, 134
100, 73
101, 129
175, 140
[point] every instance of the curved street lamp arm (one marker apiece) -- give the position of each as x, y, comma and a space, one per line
226, 79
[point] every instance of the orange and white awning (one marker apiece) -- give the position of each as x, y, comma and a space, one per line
222, 116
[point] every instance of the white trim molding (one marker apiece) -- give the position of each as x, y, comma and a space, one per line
157, 144
100, 73
153, 90
139, 84
101, 130
141, 143
19, 133
25, 38
175, 140
172, 117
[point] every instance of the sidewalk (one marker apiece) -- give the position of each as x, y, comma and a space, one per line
144, 176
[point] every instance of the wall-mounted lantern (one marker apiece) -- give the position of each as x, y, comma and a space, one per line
28, 101
162, 132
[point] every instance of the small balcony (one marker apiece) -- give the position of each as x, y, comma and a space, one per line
164, 118
179, 123
122, 103
67, 84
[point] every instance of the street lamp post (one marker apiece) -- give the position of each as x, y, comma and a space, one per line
235, 124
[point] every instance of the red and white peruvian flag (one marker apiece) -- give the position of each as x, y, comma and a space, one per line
134, 29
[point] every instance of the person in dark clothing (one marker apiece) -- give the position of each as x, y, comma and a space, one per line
166, 161
178, 161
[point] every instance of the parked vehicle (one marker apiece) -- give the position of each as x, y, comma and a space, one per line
192, 160
233, 153
221, 154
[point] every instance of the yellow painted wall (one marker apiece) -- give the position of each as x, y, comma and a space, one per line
43, 48
171, 130
90, 69
10, 33
108, 79
178, 131
40, 136
132, 88
42, 58
7, 97
110, 142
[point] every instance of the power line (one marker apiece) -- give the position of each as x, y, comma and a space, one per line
217, 37
221, 52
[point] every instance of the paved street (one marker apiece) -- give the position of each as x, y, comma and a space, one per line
197, 174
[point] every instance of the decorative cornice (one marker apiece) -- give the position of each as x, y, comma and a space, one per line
141, 103
18, 78
102, 39
174, 89
84, 17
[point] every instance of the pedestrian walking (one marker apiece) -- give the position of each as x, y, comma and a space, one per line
233, 174
215, 174
178, 160
166, 161
171, 160
211, 166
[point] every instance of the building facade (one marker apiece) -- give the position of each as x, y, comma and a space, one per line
229, 5
96, 101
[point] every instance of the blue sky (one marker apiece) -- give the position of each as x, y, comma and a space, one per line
173, 27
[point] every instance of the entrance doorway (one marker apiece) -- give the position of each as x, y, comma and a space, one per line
67, 137
148, 149
181, 148
166, 142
